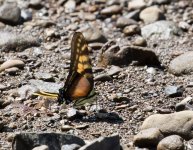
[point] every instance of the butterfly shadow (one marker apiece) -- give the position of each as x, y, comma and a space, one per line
111, 117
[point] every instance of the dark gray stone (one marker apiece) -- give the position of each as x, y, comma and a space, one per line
27, 141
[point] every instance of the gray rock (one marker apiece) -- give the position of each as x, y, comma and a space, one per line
70, 147
37, 4
26, 141
133, 15
160, 29
136, 4
114, 70
179, 123
45, 86
151, 14
10, 13
131, 30
182, 64
139, 41
103, 77
123, 22
116, 55
173, 142
70, 6
103, 143
12, 63
114, 9
26, 15
185, 104
71, 113
11, 41
173, 91
42, 147
44, 76
93, 34
26, 91
148, 138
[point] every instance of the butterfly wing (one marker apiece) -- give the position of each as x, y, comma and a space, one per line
79, 84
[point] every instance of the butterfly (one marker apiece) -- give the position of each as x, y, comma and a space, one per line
79, 85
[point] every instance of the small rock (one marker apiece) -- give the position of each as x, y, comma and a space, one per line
123, 22
26, 91
173, 91
71, 113
185, 104
36, 4
160, 29
103, 77
136, 4
94, 35
131, 30
114, 70
3, 87
12, 70
151, 70
84, 126
54, 141
12, 63
104, 143
114, 9
44, 76
179, 123
26, 15
12, 41
95, 46
42, 147
182, 64
151, 14
70, 6
173, 142
48, 87
148, 138
10, 13
139, 41
184, 25
70, 147
66, 127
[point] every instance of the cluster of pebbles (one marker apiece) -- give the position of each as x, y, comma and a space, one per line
141, 51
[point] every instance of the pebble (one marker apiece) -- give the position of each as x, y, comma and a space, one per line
10, 13
131, 30
114, 9
151, 70
174, 91
161, 30
136, 4
44, 76
184, 25
26, 15
114, 70
93, 34
103, 77
70, 147
178, 65
151, 14
12, 70
12, 63
148, 137
173, 142
70, 6
123, 22
42, 147
66, 127
139, 41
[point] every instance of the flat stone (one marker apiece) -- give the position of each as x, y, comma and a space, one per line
136, 4
174, 91
114, 9
148, 137
12, 63
161, 30
10, 13
54, 141
179, 123
104, 143
173, 142
182, 64
151, 14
